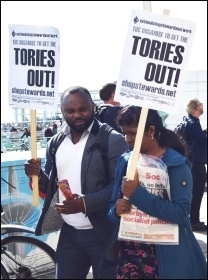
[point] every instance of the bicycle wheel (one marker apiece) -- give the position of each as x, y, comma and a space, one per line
27, 258
19, 210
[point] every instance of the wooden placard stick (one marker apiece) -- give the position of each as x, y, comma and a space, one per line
137, 144
143, 117
33, 131
142, 121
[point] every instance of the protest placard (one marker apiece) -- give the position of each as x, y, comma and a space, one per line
155, 61
33, 75
154, 65
33, 67
140, 226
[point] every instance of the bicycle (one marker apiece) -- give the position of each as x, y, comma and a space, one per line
18, 207
25, 257
24, 145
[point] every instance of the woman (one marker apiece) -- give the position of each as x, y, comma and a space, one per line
136, 260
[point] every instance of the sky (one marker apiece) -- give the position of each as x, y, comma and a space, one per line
92, 37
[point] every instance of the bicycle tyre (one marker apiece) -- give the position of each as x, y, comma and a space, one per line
36, 259
4, 274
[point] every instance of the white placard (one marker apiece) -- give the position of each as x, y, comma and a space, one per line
140, 226
33, 66
155, 60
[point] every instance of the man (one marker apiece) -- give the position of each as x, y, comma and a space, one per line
26, 133
48, 133
107, 112
198, 140
85, 227
13, 129
54, 128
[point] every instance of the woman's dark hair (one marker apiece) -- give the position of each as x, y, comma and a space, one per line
130, 114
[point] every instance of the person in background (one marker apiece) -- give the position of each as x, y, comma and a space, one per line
197, 138
14, 134
13, 129
137, 260
54, 128
107, 112
48, 133
26, 133
39, 127
85, 227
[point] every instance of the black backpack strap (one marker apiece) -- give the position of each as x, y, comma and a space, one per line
102, 110
55, 143
102, 143
190, 141
185, 119
99, 112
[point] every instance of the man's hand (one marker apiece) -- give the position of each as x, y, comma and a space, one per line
122, 206
71, 206
32, 167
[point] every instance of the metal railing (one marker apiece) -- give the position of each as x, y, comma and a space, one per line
13, 141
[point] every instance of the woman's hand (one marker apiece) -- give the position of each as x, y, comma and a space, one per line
122, 207
128, 186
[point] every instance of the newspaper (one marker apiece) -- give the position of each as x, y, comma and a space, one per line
139, 226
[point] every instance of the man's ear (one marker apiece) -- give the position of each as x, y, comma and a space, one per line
112, 95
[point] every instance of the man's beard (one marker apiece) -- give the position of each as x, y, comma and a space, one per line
81, 128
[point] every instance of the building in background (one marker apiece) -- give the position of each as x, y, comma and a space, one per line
195, 86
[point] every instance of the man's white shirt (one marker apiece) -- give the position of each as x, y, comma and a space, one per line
68, 163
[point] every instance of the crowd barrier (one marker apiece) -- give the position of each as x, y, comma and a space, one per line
13, 142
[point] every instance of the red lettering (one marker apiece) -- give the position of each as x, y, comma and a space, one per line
152, 176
